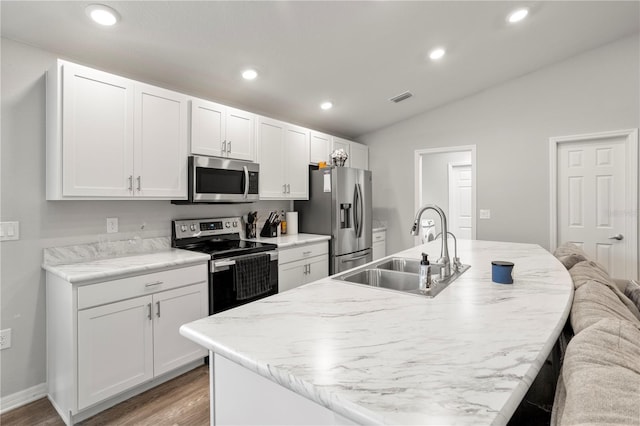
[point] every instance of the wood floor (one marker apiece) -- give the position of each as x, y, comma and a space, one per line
181, 401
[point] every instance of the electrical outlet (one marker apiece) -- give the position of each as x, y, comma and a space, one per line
485, 214
5, 339
112, 225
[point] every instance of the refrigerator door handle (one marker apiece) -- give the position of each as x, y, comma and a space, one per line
356, 206
360, 210
351, 259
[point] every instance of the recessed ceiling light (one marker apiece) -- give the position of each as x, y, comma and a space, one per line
517, 15
103, 15
249, 74
326, 105
437, 53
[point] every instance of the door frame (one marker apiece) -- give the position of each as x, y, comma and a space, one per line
450, 168
418, 153
631, 208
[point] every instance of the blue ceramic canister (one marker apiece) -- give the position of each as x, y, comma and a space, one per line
501, 272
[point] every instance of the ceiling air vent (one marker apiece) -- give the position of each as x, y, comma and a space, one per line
401, 97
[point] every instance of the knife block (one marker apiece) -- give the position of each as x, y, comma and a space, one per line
269, 230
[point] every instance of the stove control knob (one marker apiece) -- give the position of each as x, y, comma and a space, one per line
227, 225
235, 224
183, 228
193, 227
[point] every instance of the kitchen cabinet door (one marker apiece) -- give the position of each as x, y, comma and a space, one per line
270, 150
115, 348
339, 143
207, 128
290, 276
172, 309
97, 131
160, 167
240, 134
319, 146
318, 268
359, 156
296, 151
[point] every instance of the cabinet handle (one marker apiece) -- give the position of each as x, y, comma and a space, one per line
149, 316
224, 146
309, 268
288, 189
139, 178
153, 283
158, 305
229, 147
130, 183
306, 253
284, 188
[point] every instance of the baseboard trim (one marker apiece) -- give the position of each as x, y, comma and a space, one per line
23, 397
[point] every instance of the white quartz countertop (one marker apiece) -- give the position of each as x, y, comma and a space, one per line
93, 270
287, 240
465, 357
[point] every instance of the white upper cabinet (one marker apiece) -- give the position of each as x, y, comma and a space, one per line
319, 147
109, 137
358, 154
160, 143
283, 150
222, 131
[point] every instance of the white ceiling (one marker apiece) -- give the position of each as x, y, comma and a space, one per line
357, 54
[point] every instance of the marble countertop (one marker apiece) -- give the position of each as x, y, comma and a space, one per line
466, 357
287, 240
100, 269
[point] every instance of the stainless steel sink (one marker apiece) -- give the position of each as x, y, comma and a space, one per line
400, 274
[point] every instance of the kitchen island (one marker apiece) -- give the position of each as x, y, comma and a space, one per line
343, 353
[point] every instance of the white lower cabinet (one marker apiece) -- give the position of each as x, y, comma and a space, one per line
379, 249
125, 333
302, 265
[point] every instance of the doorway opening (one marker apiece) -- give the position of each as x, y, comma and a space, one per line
447, 177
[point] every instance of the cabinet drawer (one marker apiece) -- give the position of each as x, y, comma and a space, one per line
379, 236
126, 288
303, 252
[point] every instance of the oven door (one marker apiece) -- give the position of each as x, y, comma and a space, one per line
220, 180
222, 295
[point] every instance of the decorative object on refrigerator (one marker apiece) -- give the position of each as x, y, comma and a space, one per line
339, 157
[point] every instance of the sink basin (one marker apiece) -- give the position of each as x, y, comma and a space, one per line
386, 279
403, 264
399, 274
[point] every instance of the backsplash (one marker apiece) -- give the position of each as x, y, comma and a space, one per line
103, 249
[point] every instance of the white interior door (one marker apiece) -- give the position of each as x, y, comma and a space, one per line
597, 198
461, 200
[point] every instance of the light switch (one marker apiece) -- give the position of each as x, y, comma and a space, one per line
112, 225
9, 231
485, 214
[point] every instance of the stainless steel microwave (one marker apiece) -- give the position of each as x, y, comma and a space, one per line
219, 180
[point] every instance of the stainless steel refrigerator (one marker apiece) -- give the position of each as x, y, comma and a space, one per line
339, 205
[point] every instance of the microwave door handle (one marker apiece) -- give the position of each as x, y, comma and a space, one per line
246, 181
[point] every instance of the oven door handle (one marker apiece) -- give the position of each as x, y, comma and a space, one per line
224, 264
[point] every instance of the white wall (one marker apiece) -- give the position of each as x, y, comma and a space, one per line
511, 125
53, 223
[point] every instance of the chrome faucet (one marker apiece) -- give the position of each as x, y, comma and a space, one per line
443, 262
456, 260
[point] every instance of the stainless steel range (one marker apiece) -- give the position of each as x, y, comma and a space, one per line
240, 271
